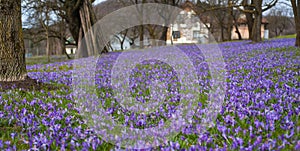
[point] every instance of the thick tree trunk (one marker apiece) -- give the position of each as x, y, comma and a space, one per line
87, 18
152, 34
12, 49
298, 37
81, 17
298, 24
229, 29
222, 33
73, 18
256, 31
296, 10
249, 15
230, 20
250, 22
163, 37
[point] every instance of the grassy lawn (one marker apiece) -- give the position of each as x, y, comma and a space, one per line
286, 36
44, 59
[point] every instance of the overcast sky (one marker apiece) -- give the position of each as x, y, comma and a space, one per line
98, 1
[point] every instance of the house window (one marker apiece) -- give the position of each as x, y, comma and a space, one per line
176, 34
196, 34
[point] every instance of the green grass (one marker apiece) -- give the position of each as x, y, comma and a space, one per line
44, 59
285, 36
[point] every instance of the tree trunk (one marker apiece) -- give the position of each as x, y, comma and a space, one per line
249, 15
229, 29
296, 10
123, 39
298, 37
62, 28
12, 49
48, 45
87, 18
238, 32
46, 27
256, 31
141, 36
81, 17
163, 37
152, 34
250, 22
230, 20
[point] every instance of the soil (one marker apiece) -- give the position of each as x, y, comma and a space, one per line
28, 85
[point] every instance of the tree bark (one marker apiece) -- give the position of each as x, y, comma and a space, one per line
238, 32
256, 31
81, 17
249, 16
163, 37
296, 10
48, 53
141, 36
229, 20
12, 49
62, 29
250, 22
298, 37
152, 33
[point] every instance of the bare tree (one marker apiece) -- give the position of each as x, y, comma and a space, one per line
46, 24
43, 13
280, 22
166, 17
141, 26
253, 10
107, 7
12, 51
218, 16
235, 17
80, 17
122, 37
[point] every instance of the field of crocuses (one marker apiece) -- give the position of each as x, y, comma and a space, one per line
261, 109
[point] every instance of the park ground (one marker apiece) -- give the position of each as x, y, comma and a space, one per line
261, 109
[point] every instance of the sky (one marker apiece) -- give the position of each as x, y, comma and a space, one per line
98, 1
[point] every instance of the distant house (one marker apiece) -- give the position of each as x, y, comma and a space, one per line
70, 46
244, 31
187, 28
191, 28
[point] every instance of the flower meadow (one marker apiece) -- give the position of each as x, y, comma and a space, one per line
261, 108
